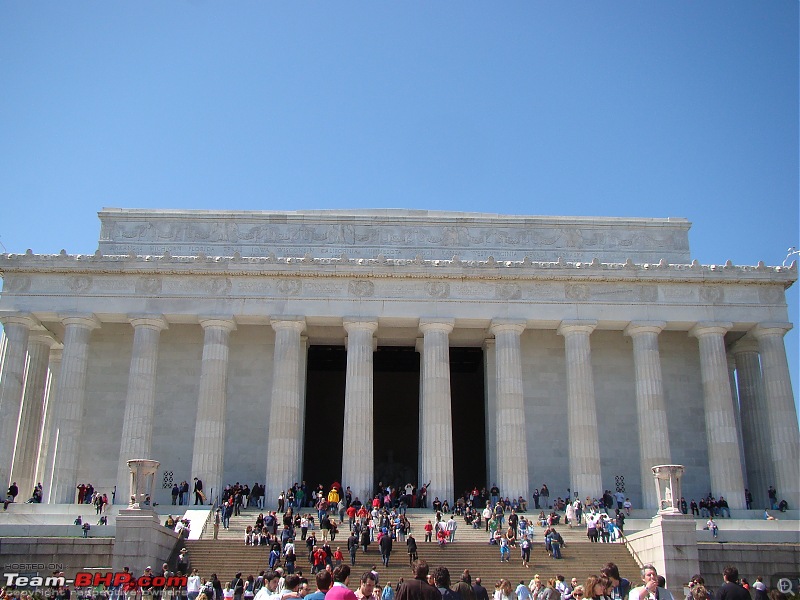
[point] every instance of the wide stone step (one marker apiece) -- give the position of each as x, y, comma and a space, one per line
580, 559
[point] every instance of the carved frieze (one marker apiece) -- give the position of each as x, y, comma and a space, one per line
392, 234
361, 288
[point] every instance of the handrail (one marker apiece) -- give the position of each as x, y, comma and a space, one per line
631, 550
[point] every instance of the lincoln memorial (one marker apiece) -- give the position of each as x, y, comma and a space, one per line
361, 346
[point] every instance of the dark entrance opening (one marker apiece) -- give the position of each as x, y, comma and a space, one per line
396, 414
395, 417
469, 429
322, 447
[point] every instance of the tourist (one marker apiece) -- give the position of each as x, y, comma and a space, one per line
650, 588
418, 588
366, 589
597, 587
442, 579
711, 525
621, 586
503, 590
731, 589
768, 517
549, 592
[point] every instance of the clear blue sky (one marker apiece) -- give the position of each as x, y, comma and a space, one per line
624, 108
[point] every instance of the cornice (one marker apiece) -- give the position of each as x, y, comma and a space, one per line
381, 267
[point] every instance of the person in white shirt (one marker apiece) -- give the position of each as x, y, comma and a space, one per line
193, 585
650, 589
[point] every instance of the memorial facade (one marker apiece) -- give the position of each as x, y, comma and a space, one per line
393, 345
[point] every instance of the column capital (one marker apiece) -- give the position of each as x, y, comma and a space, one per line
710, 328
352, 324
766, 329
157, 322
298, 323
43, 337
747, 343
219, 322
513, 325
636, 327
88, 321
586, 326
19, 318
443, 325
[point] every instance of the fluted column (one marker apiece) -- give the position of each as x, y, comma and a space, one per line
17, 329
490, 408
755, 423
285, 442
651, 411
44, 461
358, 452
512, 454
436, 422
208, 454
137, 425
725, 469
29, 433
65, 437
780, 410
584, 445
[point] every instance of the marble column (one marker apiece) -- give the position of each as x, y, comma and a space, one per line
725, 469
755, 423
435, 415
737, 412
358, 452
29, 433
512, 453
651, 410
285, 441
44, 461
208, 454
490, 408
584, 444
140, 403
17, 329
780, 411
65, 438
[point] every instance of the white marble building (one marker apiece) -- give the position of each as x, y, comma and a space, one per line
189, 337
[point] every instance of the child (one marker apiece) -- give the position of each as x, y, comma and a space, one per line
505, 552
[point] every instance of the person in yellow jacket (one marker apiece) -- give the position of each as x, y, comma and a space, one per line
333, 497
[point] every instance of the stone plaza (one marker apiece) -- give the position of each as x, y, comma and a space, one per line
361, 346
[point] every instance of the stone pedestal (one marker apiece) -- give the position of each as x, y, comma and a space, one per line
141, 540
670, 544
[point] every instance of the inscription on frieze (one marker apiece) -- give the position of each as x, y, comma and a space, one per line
16, 284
